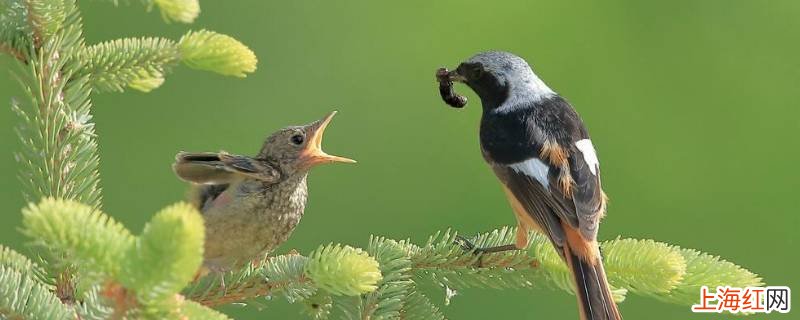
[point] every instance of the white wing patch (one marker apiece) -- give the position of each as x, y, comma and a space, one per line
533, 168
589, 155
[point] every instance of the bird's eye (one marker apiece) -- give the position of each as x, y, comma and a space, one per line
297, 139
476, 72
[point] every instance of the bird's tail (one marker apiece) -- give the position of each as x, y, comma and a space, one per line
591, 287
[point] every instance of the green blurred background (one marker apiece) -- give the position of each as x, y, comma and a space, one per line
691, 104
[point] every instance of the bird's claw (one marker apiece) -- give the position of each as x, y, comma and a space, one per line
222, 284
470, 247
465, 244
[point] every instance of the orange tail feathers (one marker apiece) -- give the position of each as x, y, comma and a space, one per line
591, 287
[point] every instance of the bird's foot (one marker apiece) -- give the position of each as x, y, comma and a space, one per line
222, 284
469, 246
465, 244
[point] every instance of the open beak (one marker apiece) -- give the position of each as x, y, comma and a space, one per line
443, 75
313, 154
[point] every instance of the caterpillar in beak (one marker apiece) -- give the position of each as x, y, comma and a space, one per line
449, 96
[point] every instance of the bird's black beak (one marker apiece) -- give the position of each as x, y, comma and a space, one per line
456, 77
312, 154
444, 75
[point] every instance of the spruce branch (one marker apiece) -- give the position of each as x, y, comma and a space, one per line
388, 300
93, 306
59, 151
78, 240
318, 306
644, 267
86, 251
15, 32
211, 51
170, 264
276, 275
139, 63
343, 270
11, 49
142, 63
333, 269
178, 10
184, 11
195, 311
419, 307
703, 269
102, 271
13, 260
46, 17
24, 297
138, 276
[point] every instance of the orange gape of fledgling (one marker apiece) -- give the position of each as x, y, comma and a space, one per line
252, 204
540, 150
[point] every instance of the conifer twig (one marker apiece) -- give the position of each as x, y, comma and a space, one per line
94, 268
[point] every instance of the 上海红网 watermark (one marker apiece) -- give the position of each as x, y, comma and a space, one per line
747, 300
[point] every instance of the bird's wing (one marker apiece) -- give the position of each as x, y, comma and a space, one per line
563, 174
535, 199
222, 168
203, 196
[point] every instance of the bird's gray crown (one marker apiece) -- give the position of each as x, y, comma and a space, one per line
519, 79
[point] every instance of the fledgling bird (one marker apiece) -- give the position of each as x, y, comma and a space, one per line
539, 148
252, 204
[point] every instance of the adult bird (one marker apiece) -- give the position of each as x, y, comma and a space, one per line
252, 204
539, 148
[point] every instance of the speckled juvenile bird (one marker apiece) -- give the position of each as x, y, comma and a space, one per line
540, 150
252, 204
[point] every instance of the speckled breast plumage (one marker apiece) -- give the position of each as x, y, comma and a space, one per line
258, 221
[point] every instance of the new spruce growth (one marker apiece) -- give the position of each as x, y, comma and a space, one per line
92, 267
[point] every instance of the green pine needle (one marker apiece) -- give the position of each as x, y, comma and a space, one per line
59, 159
15, 261
343, 270
23, 297
280, 275
195, 311
419, 307
318, 306
171, 248
178, 10
184, 11
644, 267
94, 306
59, 153
388, 300
46, 16
16, 35
211, 51
83, 235
703, 269
138, 63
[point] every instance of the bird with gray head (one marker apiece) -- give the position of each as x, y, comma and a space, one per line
540, 150
252, 204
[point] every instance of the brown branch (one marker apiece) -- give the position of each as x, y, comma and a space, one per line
7, 48
37, 34
483, 262
65, 286
122, 298
242, 292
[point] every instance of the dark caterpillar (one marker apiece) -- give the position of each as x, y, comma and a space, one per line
449, 96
